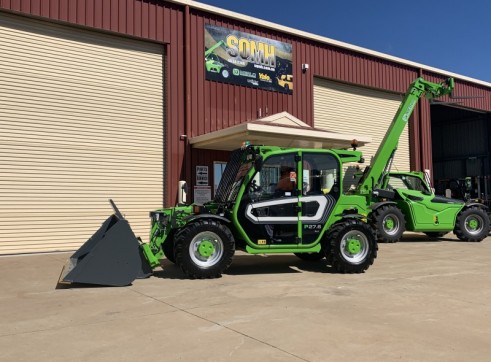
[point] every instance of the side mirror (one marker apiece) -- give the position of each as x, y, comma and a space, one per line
182, 190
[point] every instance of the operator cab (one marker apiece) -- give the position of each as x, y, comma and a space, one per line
290, 197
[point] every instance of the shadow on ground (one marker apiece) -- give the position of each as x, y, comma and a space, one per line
417, 238
254, 265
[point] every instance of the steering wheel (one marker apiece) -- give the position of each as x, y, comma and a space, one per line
254, 187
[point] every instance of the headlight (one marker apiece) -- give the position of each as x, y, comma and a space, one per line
157, 216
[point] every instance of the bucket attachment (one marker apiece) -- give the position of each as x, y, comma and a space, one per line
112, 256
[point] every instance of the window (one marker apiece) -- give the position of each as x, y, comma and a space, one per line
278, 176
320, 173
218, 168
397, 183
407, 182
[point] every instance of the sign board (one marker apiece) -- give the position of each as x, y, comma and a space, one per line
240, 58
202, 194
202, 175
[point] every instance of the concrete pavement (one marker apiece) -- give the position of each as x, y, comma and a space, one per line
422, 300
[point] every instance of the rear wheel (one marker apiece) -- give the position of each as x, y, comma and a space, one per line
310, 256
472, 224
389, 223
204, 249
353, 247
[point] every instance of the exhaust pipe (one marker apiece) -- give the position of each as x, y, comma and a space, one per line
112, 256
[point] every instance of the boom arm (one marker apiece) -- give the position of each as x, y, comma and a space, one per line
379, 167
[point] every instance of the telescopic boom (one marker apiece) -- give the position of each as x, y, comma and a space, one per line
373, 177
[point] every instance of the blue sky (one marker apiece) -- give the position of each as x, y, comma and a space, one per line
451, 35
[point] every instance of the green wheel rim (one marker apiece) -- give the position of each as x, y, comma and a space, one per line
474, 224
391, 224
354, 247
206, 249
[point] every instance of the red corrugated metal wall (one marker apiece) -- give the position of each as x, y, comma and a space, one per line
137, 18
196, 106
480, 96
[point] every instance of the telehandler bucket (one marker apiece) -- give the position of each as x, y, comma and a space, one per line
112, 256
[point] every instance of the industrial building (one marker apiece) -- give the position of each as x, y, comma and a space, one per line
122, 99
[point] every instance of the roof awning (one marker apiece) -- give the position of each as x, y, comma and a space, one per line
281, 129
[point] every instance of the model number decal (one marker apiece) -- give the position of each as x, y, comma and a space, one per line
312, 227
409, 110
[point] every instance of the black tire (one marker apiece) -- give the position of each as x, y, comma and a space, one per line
389, 223
436, 234
204, 249
352, 246
311, 256
472, 224
168, 249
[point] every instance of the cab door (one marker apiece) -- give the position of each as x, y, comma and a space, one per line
320, 191
269, 213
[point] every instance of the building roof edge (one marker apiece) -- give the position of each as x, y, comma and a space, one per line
322, 39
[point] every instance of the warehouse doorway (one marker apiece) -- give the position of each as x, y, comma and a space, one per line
461, 152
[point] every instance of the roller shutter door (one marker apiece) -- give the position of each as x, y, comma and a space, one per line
81, 119
346, 108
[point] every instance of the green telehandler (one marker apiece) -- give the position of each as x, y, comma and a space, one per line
415, 207
270, 200
308, 216
392, 227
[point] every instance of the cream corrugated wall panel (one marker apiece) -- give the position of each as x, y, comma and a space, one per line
81, 121
345, 108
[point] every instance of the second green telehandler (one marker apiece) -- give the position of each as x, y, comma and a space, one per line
414, 207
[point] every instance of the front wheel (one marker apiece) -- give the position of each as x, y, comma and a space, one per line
204, 249
472, 224
353, 247
389, 223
